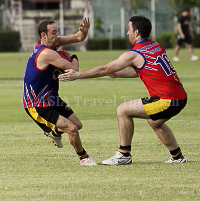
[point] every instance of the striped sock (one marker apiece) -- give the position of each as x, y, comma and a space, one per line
82, 154
176, 153
58, 132
125, 150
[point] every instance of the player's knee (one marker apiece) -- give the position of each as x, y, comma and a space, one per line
154, 124
120, 110
70, 128
79, 126
73, 130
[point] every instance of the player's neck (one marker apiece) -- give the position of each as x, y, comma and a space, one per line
46, 44
43, 42
141, 40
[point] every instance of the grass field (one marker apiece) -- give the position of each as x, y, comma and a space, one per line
31, 168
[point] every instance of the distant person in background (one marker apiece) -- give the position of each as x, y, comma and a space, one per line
185, 34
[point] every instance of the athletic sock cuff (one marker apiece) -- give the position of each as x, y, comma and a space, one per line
125, 148
82, 154
176, 153
58, 132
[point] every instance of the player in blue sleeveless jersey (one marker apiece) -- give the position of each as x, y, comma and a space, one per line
41, 99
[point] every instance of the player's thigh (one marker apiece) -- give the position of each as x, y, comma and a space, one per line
66, 125
132, 108
75, 120
68, 113
63, 108
65, 111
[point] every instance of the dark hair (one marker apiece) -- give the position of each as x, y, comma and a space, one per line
43, 27
143, 25
186, 9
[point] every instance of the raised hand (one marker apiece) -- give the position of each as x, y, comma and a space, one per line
85, 25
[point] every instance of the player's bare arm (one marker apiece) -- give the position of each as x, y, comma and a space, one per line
125, 60
79, 36
127, 73
49, 56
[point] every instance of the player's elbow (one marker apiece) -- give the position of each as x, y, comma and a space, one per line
76, 68
106, 71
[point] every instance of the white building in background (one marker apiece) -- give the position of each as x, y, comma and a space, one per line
25, 15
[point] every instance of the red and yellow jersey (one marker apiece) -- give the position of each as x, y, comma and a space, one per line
157, 73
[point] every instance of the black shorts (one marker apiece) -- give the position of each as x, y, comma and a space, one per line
158, 108
46, 117
188, 40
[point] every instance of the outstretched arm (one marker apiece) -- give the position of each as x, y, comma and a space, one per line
127, 73
79, 36
126, 59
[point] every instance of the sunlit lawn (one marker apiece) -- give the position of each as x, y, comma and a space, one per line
33, 169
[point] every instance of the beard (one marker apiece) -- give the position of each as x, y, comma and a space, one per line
53, 43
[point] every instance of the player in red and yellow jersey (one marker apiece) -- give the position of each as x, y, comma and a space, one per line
149, 61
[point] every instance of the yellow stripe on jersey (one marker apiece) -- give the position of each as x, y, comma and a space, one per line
156, 107
39, 119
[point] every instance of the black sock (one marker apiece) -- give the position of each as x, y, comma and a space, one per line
176, 153
82, 154
58, 132
125, 150
53, 133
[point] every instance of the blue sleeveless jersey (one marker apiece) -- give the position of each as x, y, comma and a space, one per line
40, 86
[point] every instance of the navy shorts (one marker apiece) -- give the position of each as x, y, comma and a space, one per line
47, 117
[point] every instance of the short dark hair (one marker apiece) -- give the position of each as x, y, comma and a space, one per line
143, 25
43, 26
186, 9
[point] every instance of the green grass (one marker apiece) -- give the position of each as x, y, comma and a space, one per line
31, 168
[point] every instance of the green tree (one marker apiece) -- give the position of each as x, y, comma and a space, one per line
138, 4
98, 24
178, 5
